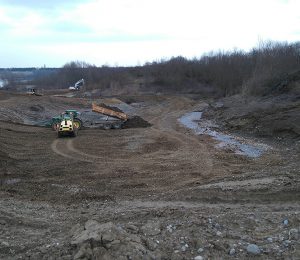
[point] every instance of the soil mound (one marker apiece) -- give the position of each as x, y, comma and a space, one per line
136, 122
262, 116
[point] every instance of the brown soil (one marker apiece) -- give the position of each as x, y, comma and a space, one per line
168, 193
136, 121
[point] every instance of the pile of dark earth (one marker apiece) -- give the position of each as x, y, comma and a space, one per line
132, 122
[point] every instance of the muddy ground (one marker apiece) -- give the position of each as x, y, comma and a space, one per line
158, 192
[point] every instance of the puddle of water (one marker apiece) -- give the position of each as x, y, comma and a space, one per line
190, 120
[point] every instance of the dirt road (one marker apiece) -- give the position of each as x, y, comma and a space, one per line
168, 193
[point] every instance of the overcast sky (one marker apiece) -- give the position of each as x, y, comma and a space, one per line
130, 32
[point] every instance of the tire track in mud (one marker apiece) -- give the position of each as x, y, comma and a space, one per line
70, 151
55, 148
189, 149
165, 125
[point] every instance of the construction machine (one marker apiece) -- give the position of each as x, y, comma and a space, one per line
66, 126
69, 122
113, 119
70, 113
77, 85
33, 92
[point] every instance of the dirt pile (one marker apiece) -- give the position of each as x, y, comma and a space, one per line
108, 241
136, 122
267, 116
133, 122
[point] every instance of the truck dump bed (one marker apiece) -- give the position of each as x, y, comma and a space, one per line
109, 112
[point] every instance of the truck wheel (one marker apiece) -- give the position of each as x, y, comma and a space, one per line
77, 123
59, 135
117, 125
107, 126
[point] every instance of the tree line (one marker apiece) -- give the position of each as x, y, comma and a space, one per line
256, 72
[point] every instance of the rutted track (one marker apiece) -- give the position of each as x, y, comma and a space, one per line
161, 174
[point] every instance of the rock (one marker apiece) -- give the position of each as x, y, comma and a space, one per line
76, 229
132, 228
4, 243
253, 249
100, 253
91, 224
152, 228
294, 234
200, 250
184, 248
150, 244
134, 238
232, 251
108, 237
2, 222
199, 257
109, 241
287, 243
170, 228
285, 222
85, 251
270, 239
219, 234
95, 232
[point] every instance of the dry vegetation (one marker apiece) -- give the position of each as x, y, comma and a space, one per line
261, 71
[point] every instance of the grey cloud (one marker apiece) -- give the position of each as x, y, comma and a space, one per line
38, 4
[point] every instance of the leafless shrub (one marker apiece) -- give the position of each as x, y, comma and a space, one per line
256, 72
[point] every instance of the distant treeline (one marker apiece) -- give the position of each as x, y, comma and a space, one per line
257, 72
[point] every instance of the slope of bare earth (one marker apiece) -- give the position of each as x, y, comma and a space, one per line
159, 192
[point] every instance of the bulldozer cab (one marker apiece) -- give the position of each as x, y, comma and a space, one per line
72, 112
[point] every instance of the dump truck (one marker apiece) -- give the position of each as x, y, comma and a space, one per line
69, 122
112, 119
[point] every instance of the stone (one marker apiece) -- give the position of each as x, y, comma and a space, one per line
4, 243
150, 244
270, 239
253, 249
219, 234
2, 222
85, 251
169, 228
287, 243
285, 222
151, 228
134, 238
95, 232
294, 234
200, 250
91, 225
184, 248
132, 228
107, 237
232, 251
199, 257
